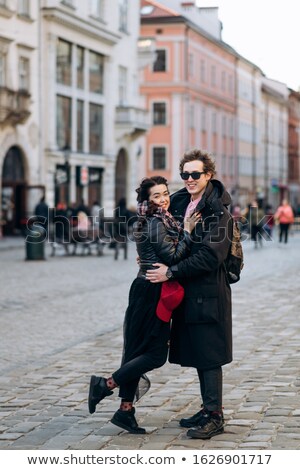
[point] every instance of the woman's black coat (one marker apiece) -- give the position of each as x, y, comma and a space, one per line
201, 330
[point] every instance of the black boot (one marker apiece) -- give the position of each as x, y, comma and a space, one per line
98, 391
213, 426
196, 420
126, 420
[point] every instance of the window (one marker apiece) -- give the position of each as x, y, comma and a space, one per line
96, 66
213, 76
80, 128
224, 125
223, 81
192, 116
160, 62
123, 15
224, 162
96, 128
63, 121
159, 158
24, 73
80, 67
202, 71
63, 62
23, 7
214, 122
191, 65
2, 69
96, 8
159, 113
203, 119
122, 85
230, 85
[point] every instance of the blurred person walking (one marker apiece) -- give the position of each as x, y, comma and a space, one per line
285, 217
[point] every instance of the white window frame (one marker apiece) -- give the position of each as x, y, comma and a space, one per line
3, 66
24, 8
24, 73
123, 85
123, 15
97, 8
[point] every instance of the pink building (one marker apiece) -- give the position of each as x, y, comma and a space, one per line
189, 90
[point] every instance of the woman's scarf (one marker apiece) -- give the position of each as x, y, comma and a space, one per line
144, 209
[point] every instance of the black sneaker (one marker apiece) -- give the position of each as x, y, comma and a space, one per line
197, 419
98, 391
126, 420
212, 427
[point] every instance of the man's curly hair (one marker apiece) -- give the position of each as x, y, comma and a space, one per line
202, 156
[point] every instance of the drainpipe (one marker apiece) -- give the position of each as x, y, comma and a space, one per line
253, 137
266, 169
187, 98
41, 170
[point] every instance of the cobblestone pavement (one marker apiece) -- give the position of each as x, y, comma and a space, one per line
61, 321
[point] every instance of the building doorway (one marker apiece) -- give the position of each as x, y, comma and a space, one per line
121, 176
13, 200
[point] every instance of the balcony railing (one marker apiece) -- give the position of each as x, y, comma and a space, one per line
14, 106
131, 121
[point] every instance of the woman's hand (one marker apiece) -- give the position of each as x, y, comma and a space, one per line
190, 221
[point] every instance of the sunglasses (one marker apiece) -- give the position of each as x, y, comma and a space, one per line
195, 175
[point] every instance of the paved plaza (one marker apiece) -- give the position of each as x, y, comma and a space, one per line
61, 321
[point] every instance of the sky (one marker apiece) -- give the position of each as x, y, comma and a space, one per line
266, 32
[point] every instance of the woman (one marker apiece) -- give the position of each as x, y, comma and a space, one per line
159, 238
285, 217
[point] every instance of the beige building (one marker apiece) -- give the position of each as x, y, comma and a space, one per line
91, 107
249, 78
273, 139
70, 114
21, 155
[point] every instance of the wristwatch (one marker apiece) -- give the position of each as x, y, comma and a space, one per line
169, 273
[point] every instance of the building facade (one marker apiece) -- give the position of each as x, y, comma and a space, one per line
70, 110
189, 91
273, 140
92, 108
20, 113
294, 150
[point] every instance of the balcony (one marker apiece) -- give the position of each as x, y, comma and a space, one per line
131, 121
14, 106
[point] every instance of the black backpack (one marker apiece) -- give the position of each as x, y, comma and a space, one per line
234, 262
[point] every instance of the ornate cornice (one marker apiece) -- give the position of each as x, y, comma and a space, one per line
70, 20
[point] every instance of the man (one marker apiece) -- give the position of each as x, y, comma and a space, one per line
201, 332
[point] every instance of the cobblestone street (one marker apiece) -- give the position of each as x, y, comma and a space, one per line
61, 321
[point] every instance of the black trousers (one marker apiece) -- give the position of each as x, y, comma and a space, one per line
128, 375
283, 232
211, 384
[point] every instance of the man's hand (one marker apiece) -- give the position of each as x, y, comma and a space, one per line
157, 275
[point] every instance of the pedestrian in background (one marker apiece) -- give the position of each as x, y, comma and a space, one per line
285, 217
159, 238
201, 328
42, 213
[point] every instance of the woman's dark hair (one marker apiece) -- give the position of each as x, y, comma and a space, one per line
147, 183
143, 193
